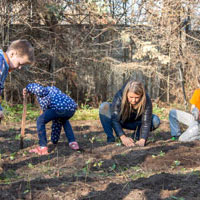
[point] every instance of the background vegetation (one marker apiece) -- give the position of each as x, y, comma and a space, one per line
90, 48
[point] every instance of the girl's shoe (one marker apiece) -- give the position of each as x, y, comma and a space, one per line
39, 150
74, 145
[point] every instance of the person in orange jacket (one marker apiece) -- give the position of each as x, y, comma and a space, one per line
189, 119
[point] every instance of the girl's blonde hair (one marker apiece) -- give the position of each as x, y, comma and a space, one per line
126, 107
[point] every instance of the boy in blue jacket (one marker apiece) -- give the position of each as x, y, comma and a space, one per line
58, 108
19, 53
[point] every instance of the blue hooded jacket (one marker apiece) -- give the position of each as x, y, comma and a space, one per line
4, 68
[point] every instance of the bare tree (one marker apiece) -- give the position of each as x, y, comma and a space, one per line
76, 42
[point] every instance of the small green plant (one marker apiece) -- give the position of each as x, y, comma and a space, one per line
161, 154
136, 168
113, 167
25, 153
28, 187
98, 164
183, 169
92, 142
30, 166
86, 169
17, 137
176, 198
26, 191
99, 139
176, 163
138, 175
118, 142
12, 156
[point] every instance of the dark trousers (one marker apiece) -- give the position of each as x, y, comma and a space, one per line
59, 119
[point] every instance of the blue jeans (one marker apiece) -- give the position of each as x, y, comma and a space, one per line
59, 119
105, 118
192, 132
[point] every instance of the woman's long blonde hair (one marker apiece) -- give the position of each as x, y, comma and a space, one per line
126, 107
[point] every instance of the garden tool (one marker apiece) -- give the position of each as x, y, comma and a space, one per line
23, 122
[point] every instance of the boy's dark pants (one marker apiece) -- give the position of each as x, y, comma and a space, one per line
59, 118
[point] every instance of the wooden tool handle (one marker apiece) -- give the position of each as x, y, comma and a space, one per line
23, 121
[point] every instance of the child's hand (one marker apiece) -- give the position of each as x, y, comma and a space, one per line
1, 115
25, 92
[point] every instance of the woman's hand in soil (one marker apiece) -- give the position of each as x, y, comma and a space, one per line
127, 141
141, 142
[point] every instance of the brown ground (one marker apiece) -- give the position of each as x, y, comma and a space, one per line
164, 169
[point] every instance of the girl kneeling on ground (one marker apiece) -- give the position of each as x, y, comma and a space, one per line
131, 109
58, 108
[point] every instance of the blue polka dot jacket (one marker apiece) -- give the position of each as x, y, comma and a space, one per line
51, 97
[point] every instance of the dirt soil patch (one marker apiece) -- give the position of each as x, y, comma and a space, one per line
164, 169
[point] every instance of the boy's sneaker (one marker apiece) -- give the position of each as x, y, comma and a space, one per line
40, 150
174, 138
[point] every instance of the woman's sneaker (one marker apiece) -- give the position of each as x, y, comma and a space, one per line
174, 138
